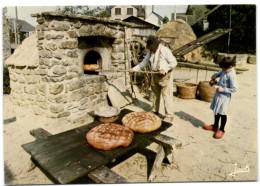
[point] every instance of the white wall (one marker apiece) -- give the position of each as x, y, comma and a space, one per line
153, 19
123, 12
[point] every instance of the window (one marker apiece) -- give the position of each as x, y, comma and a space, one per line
118, 11
205, 24
129, 11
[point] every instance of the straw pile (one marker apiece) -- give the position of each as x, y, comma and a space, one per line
26, 54
184, 33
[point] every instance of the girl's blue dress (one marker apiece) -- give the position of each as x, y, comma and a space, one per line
221, 100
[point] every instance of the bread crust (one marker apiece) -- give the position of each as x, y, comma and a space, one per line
91, 67
142, 122
109, 136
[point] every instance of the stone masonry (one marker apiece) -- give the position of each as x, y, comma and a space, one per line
57, 86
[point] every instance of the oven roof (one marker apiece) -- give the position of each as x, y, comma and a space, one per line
83, 17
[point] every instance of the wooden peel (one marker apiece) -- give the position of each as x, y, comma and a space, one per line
149, 72
95, 68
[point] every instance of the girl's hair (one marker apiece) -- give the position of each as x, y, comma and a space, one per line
152, 42
227, 62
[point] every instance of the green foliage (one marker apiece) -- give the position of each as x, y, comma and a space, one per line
85, 10
165, 19
6, 81
243, 25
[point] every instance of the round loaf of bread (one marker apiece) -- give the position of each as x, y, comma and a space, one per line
110, 136
142, 122
91, 67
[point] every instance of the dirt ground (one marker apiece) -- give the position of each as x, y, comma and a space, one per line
201, 157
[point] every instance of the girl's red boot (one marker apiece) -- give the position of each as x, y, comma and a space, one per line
219, 134
210, 127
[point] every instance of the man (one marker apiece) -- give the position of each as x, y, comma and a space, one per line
162, 61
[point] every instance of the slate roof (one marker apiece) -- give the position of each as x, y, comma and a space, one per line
137, 21
157, 15
23, 25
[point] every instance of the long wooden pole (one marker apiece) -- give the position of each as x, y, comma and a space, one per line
147, 72
184, 64
205, 15
229, 28
129, 64
210, 65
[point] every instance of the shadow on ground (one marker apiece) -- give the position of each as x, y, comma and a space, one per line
8, 175
194, 121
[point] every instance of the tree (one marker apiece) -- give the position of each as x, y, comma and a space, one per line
165, 19
85, 10
243, 25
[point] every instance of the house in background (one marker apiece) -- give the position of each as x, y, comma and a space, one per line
120, 12
155, 19
182, 14
142, 27
24, 29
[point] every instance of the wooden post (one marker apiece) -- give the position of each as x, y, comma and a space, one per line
175, 13
197, 76
206, 75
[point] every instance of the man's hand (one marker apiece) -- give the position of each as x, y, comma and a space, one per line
131, 71
162, 73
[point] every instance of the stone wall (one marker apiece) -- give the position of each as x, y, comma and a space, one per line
58, 87
25, 90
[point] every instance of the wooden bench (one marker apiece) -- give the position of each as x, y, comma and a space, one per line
167, 146
103, 174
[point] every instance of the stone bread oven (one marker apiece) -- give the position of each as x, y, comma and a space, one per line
95, 50
55, 84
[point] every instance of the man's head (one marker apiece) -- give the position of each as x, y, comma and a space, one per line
152, 43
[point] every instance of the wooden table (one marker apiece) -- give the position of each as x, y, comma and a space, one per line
67, 156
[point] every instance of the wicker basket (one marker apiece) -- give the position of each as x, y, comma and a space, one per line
107, 119
107, 114
206, 92
186, 90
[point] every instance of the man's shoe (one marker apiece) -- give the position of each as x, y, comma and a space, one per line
168, 119
219, 134
210, 127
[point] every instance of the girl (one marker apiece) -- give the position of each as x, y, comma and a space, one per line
227, 85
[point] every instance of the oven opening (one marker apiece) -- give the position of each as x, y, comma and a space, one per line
92, 57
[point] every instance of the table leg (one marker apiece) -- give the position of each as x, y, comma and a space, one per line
157, 163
